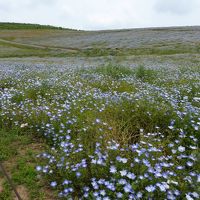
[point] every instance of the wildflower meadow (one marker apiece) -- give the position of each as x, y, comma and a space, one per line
113, 132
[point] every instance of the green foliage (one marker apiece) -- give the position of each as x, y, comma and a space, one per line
7, 191
21, 163
129, 118
19, 26
145, 74
113, 71
7, 149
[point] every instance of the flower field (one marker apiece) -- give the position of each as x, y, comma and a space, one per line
113, 132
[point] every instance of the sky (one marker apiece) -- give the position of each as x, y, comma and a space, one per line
102, 14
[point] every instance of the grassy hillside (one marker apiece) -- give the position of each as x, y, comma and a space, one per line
47, 41
8, 25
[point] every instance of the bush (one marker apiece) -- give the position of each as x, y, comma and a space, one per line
145, 74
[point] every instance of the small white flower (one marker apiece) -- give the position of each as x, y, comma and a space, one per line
173, 182
24, 125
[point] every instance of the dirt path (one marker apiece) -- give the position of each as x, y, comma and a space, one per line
39, 46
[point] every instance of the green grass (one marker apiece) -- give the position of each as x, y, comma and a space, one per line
9, 142
144, 74
19, 26
113, 71
20, 161
7, 191
23, 50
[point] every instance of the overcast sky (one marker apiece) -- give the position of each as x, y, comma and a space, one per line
102, 14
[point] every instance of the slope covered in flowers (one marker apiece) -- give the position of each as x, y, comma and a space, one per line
113, 132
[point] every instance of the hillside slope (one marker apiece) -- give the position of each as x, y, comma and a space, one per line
48, 41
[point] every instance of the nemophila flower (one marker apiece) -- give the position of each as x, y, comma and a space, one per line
146, 162
198, 178
128, 188
131, 176
150, 188
68, 137
188, 179
78, 174
137, 160
141, 177
171, 197
188, 197
139, 195
95, 185
123, 172
162, 186
190, 164
174, 151
53, 184
171, 127
120, 159
106, 198
195, 194
193, 147
102, 192
66, 182
158, 174
119, 195
98, 120
38, 168
177, 192
180, 167
192, 173
131, 196
101, 181
86, 189
151, 170
70, 189
181, 148
113, 169
96, 194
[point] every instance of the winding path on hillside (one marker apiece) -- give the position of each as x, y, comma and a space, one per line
25, 45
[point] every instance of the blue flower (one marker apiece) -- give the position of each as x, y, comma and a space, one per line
123, 173
113, 169
131, 175
119, 195
128, 188
38, 168
181, 148
150, 188
53, 184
